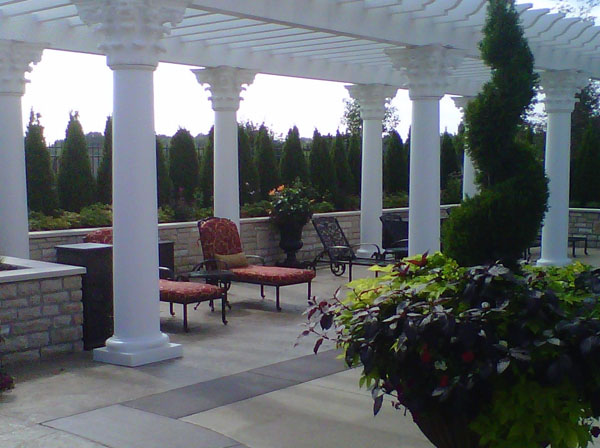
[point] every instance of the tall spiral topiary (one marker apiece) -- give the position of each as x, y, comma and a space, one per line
501, 221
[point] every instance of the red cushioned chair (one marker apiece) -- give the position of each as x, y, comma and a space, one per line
184, 293
219, 237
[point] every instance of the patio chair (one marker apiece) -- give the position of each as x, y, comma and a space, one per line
337, 249
394, 236
222, 247
171, 292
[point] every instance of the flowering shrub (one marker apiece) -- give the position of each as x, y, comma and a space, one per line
290, 205
516, 356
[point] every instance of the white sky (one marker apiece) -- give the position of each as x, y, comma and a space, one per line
64, 82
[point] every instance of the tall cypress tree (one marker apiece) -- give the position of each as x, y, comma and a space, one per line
104, 182
355, 162
343, 176
163, 181
248, 176
183, 165
322, 173
293, 162
266, 163
76, 187
395, 164
586, 182
41, 192
448, 159
206, 178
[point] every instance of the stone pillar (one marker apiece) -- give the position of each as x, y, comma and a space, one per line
560, 88
469, 187
371, 99
225, 85
15, 60
132, 31
426, 70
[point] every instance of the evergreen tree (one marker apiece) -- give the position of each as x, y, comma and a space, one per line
41, 193
76, 187
183, 165
265, 163
248, 176
502, 220
293, 162
207, 176
355, 162
395, 165
586, 182
104, 181
163, 181
322, 173
343, 175
448, 159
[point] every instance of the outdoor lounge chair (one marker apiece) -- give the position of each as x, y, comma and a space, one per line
222, 247
394, 235
338, 250
182, 292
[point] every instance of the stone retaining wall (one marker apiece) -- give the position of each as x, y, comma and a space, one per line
260, 238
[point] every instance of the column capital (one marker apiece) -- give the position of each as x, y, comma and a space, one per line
371, 99
15, 60
426, 68
131, 29
225, 85
560, 87
461, 102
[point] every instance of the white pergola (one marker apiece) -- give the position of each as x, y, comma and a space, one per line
426, 46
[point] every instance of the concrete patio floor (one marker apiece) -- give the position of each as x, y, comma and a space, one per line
240, 385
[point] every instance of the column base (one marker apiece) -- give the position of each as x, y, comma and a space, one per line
138, 358
365, 252
554, 261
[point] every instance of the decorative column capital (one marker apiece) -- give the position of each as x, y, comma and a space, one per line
131, 29
371, 99
560, 87
15, 60
426, 68
225, 85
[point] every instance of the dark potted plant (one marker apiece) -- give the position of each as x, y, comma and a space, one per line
480, 356
291, 209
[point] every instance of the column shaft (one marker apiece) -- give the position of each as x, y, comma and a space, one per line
424, 192
555, 231
226, 176
14, 233
469, 186
371, 203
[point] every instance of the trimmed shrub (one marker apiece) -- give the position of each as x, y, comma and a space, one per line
395, 165
183, 165
266, 163
343, 175
75, 180
248, 176
163, 181
293, 162
206, 178
448, 159
322, 172
504, 218
41, 193
355, 162
104, 179
586, 183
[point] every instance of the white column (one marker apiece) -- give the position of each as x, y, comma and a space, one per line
15, 60
371, 99
132, 30
560, 88
426, 69
225, 85
469, 187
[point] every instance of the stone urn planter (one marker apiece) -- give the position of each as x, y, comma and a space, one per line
291, 242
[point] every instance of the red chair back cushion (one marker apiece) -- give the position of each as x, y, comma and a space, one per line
219, 236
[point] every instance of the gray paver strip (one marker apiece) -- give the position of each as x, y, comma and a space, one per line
124, 427
207, 395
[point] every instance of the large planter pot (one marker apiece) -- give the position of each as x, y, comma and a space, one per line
291, 242
447, 430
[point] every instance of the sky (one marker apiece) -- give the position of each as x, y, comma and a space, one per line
63, 82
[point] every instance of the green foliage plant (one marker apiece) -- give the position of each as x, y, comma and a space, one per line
207, 170
163, 180
104, 178
266, 163
501, 221
248, 175
322, 172
355, 162
480, 356
290, 205
293, 162
343, 175
183, 165
41, 191
586, 185
76, 187
395, 165
448, 159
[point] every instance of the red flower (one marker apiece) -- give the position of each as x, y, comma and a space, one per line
425, 356
468, 356
444, 381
